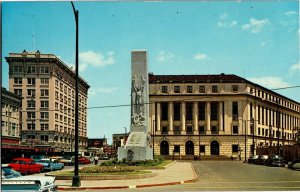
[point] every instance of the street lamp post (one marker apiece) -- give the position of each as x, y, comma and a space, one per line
76, 178
278, 125
270, 135
252, 128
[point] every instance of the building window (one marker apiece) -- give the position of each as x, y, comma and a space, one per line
189, 111
18, 80
164, 111
235, 148
164, 89
235, 88
30, 69
176, 89
215, 89
201, 89
177, 130
44, 115
44, 104
30, 92
214, 129
202, 129
44, 127
214, 111
177, 148
258, 131
202, 148
31, 81
18, 69
164, 130
201, 111
31, 103
189, 89
235, 129
44, 81
176, 111
44, 70
44, 92
31, 115
44, 138
189, 129
18, 92
30, 126
235, 110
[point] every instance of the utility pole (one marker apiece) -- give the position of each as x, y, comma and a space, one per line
76, 178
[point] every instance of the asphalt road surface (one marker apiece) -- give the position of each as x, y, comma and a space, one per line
233, 176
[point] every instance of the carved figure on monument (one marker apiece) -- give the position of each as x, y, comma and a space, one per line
138, 109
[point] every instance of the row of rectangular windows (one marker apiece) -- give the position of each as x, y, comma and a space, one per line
190, 89
274, 99
31, 81
31, 69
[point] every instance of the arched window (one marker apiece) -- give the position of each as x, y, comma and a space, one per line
189, 148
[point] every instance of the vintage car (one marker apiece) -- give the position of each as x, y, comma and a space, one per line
68, 161
294, 165
13, 181
253, 159
275, 161
83, 160
26, 166
51, 164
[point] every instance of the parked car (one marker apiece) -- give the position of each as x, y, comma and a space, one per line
8, 172
295, 164
26, 166
68, 160
253, 159
51, 164
37, 158
263, 159
13, 181
276, 161
83, 160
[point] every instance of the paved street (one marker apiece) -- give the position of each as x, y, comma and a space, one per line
233, 175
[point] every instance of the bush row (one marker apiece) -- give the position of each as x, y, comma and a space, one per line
156, 161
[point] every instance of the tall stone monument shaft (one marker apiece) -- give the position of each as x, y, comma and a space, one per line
137, 146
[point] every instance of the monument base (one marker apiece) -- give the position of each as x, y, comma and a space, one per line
135, 153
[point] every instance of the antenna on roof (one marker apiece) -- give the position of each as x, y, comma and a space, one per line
32, 28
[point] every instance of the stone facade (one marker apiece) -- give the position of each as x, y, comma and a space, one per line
48, 108
10, 119
224, 109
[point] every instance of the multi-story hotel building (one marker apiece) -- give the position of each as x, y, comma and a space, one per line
10, 120
48, 108
216, 115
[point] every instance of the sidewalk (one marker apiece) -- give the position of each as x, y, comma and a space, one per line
176, 173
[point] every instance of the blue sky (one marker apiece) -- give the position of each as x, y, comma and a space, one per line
255, 40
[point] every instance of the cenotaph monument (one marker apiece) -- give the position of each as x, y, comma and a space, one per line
137, 146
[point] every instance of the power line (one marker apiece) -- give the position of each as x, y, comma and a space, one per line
127, 105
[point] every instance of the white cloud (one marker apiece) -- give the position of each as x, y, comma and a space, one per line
269, 82
94, 91
200, 56
165, 56
255, 25
223, 22
295, 67
95, 59
290, 13
223, 16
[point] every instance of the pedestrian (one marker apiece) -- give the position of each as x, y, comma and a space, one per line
96, 160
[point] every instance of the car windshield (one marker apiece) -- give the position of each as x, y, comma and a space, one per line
45, 161
8, 173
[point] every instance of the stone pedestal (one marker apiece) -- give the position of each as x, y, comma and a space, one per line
137, 147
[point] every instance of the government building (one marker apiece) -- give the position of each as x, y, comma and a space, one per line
47, 86
222, 115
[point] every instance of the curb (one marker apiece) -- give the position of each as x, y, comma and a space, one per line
133, 186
